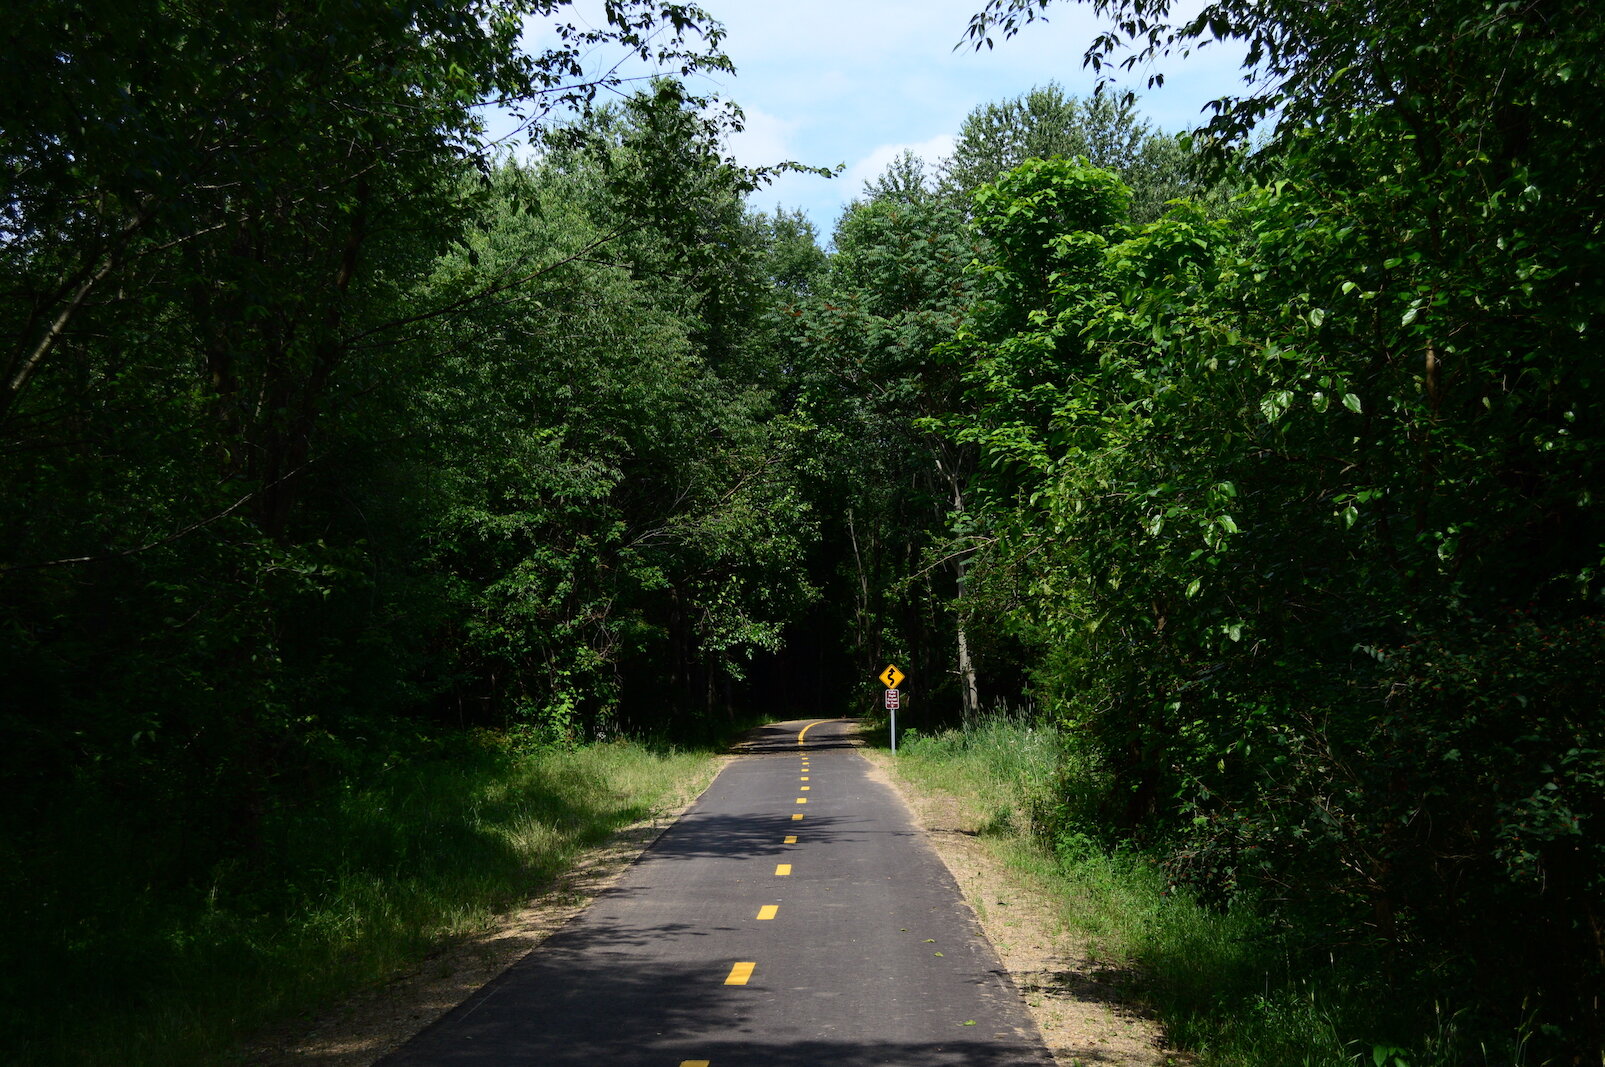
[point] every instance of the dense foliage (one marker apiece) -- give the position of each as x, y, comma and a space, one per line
1298, 504
308, 401
327, 435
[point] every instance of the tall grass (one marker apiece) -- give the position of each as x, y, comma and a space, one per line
1217, 977
341, 893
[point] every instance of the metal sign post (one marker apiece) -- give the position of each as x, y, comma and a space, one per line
891, 678
892, 701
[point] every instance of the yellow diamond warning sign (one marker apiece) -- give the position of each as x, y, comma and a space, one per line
892, 676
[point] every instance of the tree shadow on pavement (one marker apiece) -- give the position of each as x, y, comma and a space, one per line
572, 1005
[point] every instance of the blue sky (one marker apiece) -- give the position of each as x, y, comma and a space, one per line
855, 82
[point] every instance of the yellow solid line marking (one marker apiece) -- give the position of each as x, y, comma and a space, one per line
797, 817
768, 911
791, 839
739, 973
802, 800
782, 869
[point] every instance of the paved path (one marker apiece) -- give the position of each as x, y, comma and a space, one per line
794, 917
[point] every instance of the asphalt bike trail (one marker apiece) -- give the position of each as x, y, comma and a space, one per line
793, 917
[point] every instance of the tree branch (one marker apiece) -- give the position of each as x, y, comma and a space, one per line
481, 294
169, 539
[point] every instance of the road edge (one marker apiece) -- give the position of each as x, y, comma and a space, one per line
367, 1026
1101, 1028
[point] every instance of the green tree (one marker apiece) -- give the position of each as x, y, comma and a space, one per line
1268, 547
1105, 130
896, 285
1377, 436
637, 517
208, 219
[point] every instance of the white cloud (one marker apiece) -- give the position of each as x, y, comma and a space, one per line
857, 81
821, 198
933, 151
765, 139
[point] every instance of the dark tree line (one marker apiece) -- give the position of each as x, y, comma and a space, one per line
326, 434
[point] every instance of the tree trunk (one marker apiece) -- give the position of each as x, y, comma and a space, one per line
969, 690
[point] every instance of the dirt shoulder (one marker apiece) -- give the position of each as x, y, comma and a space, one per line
1074, 1000
371, 1024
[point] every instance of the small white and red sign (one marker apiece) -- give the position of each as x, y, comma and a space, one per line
892, 697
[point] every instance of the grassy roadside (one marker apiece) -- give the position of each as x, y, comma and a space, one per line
1216, 979
345, 891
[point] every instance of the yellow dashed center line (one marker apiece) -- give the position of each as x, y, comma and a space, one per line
791, 839
768, 911
782, 870
797, 817
806, 788
802, 800
693, 1063
739, 973
804, 778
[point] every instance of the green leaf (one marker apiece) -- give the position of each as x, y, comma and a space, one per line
1351, 402
1275, 404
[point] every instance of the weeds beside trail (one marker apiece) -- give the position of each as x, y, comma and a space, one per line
1219, 979
343, 892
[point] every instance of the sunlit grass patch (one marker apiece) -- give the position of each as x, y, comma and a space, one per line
343, 892
1212, 974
